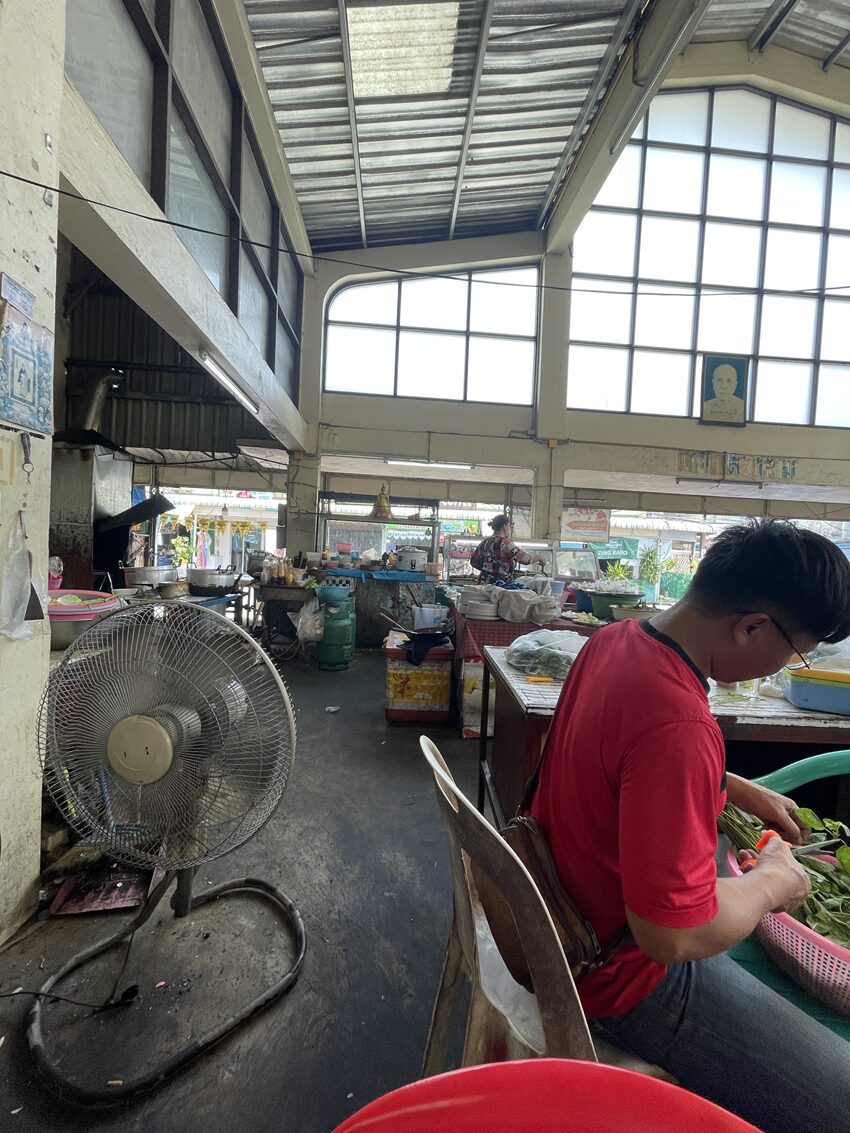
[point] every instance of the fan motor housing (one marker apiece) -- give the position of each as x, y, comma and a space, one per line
139, 749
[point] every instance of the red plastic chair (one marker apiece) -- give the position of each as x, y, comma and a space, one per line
542, 1094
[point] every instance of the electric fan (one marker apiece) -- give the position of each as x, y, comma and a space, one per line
167, 738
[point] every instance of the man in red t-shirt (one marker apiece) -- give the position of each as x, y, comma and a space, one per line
630, 789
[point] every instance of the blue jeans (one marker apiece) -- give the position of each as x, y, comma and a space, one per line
726, 1036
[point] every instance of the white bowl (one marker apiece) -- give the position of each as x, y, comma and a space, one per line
624, 613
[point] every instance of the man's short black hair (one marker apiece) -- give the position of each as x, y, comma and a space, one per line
771, 566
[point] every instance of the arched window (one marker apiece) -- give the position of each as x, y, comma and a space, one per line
464, 336
724, 228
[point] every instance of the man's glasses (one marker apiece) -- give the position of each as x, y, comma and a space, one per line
781, 630
787, 637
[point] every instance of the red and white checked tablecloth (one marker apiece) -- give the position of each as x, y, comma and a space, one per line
471, 635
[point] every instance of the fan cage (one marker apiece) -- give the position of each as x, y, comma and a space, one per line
221, 700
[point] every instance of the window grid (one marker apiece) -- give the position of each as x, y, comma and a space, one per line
823, 229
824, 246
467, 333
768, 185
157, 35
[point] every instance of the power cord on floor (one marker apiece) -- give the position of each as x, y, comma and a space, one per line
126, 997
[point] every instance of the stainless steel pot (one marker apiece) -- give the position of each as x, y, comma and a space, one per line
223, 578
152, 576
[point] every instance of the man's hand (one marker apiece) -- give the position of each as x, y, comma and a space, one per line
773, 809
778, 865
776, 883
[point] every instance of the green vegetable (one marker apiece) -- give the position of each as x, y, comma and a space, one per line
827, 908
836, 829
808, 818
742, 830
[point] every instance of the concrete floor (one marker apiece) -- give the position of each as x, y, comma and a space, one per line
358, 846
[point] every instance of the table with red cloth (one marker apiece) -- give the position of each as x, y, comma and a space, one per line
471, 635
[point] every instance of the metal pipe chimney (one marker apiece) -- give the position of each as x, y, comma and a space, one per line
95, 399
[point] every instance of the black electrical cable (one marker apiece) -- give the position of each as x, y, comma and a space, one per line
401, 273
123, 1090
125, 998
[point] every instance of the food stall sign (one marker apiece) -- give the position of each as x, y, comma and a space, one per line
583, 524
617, 548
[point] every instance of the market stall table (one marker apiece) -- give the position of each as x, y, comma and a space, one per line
274, 601
218, 602
775, 719
471, 636
384, 591
524, 713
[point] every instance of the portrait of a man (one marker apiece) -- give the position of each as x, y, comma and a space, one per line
724, 390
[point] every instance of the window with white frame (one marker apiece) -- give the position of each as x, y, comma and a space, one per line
724, 227
467, 336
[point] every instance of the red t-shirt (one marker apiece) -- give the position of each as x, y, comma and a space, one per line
632, 784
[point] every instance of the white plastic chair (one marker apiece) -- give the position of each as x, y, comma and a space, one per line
505, 1021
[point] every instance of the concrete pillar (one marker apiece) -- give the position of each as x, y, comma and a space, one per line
302, 496
551, 417
547, 496
32, 47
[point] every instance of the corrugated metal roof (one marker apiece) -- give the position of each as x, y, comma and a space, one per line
621, 522
538, 62
809, 27
479, 150
164, 399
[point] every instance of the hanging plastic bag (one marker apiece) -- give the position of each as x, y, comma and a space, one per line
16, 585
310, 621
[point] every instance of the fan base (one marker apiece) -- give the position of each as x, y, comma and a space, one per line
129, 1088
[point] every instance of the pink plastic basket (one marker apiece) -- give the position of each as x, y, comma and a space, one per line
819, 966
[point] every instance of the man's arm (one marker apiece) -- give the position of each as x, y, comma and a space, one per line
776, 882
772, 808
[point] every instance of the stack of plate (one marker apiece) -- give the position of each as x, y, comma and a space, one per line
481, 611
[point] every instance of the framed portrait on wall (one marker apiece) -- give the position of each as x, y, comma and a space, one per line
725, 380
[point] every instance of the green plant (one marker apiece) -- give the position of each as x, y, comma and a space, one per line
182, 550
648, 566
669, 564
617, 572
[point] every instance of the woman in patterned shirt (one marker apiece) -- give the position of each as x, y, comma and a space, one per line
497, 556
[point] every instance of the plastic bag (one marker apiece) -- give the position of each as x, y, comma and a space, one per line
835, 656
546, 652
309, 621
15, 584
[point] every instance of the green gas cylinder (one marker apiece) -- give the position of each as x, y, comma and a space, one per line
336, 648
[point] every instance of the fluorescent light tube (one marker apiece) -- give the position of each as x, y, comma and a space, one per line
429, 464
228, 382
717, 483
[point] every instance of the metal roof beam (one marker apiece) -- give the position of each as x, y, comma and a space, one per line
836, 53
603, 74
352, 116
480, 53
664, 35
774, 18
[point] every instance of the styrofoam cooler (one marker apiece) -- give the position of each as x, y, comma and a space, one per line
417, 694
472, 685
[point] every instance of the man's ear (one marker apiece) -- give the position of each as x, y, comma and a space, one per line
749, 624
